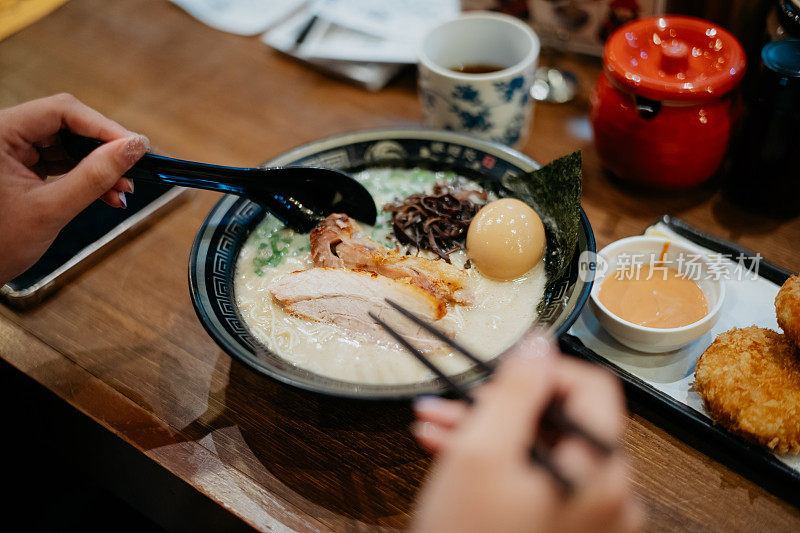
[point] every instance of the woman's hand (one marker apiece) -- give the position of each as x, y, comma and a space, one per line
484, 480
32, 210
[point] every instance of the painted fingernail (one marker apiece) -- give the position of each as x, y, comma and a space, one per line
135, 147
122, 199
128, 185
427, 403
423, 429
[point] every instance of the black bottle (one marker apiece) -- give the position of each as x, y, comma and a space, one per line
765, 174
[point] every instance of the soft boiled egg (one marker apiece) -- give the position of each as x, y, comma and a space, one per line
505, 239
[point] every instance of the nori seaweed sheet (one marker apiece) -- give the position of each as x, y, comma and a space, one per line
554, 192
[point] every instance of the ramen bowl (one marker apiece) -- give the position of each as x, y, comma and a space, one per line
216, 247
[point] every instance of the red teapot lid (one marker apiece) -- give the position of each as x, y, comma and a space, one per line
674, 58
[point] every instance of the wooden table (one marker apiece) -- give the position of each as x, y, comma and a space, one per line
130, 384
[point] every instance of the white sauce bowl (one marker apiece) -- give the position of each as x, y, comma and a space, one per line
657, 340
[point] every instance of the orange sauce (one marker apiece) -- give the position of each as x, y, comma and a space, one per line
659, 297
664, 250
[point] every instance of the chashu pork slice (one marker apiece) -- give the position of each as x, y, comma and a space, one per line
339, 242
344, 297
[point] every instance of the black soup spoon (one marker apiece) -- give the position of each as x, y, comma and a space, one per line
299, 196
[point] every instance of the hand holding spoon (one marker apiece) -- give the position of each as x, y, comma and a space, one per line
298, 196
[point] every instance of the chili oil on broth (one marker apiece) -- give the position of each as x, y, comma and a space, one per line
500, 313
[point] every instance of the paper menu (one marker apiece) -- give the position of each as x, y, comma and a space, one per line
372, 75
366, 41
332, 41
387, 31
242, 17
404, 21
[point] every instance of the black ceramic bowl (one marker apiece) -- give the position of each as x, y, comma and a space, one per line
225, 229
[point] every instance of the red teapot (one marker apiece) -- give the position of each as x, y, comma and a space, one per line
664, 105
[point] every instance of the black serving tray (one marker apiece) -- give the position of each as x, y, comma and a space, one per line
686, 423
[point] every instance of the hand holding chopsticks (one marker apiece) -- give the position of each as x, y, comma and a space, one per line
483, 478
554, 422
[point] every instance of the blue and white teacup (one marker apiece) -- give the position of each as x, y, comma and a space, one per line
494, 105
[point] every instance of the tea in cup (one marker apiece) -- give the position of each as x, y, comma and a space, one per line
475, 75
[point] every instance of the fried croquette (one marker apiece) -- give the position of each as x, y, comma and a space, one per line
749, 379
787, 308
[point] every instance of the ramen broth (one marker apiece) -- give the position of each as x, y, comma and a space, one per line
499, 315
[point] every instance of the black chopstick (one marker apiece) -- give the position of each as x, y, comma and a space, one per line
541, 456
554, 415
454, 387
483, 365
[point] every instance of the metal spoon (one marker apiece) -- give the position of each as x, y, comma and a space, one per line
299, 196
